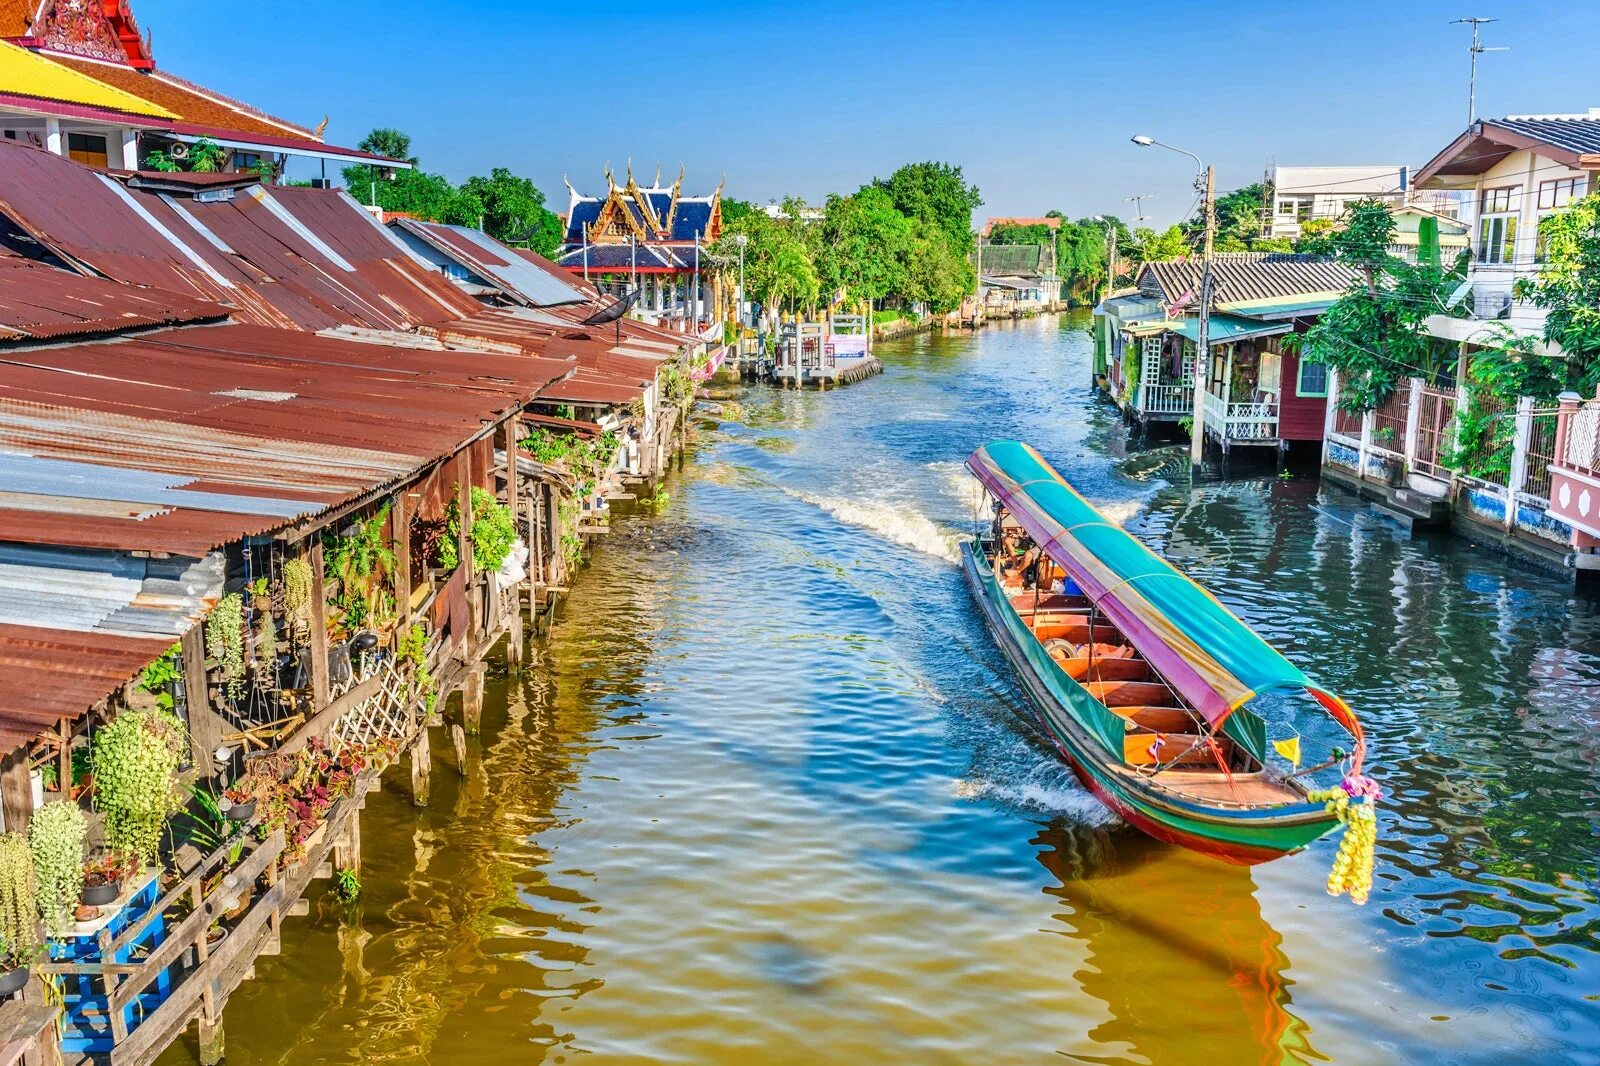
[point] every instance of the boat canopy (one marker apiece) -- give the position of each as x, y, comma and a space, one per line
1211, 658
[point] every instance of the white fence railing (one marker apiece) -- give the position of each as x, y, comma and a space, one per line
1166, 399
1241, 421
1583, 438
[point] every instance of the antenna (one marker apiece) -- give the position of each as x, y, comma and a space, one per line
1138, 205
1476, 49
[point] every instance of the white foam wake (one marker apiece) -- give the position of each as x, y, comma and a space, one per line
900, 523
1059, 797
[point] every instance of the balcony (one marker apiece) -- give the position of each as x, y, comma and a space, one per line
1165, 400
1241, 423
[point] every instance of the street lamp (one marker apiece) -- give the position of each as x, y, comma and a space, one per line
741, 240
1111, 259
1207, 187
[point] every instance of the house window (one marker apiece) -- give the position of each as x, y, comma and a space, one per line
1295, 208
1561, 192
1270, 377
1554, 197
1497, 225
87, 148
1313, 379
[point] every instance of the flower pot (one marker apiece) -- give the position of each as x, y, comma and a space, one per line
102, 894
85, 913
13, 980
242, 812
215, 937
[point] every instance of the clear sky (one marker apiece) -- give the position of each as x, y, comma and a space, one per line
1036, 101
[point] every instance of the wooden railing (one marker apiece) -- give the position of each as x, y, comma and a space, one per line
1166, 399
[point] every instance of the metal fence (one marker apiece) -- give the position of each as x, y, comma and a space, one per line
1389, 421
1346, 424
1436, 424
1489, 459
1541, 453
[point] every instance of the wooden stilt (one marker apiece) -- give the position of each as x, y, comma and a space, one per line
458, 739
472, 701
347, 852
421, 765
319, 627
212, 1044
16, 792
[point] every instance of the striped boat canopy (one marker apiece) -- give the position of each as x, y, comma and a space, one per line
1211, 658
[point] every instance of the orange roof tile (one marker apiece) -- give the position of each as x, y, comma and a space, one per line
190, 102
16, 17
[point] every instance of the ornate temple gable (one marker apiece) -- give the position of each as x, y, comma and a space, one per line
617, 219
95, 29
651, 214
641, 202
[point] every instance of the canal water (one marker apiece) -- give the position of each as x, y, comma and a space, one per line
768, 796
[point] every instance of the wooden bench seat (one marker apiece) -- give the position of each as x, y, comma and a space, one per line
1131, 693
1136, 751
1101, 668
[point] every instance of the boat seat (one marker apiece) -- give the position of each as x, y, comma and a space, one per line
1064, 628
1103, 667
1130, 693
1173, 720
1136, 751
1049, 601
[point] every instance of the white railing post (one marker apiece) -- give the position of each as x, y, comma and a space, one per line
1366, 443
1413, 420
1330, 413
1520, 443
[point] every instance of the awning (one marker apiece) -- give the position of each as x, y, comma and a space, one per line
1213, 660
1156, 325
1225, 329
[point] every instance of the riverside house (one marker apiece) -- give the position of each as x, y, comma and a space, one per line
1258, 393
1511, 173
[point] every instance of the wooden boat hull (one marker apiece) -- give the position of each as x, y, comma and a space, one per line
1236, 833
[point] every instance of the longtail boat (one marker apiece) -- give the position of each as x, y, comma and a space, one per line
1142, 680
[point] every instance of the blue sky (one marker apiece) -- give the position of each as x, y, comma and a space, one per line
1036, 101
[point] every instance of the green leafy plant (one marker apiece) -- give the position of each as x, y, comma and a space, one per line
346, 885
160, 676
208, 827
493, 532
55, 839
413, 648
358, 568
225, 642
136, 760
19, 901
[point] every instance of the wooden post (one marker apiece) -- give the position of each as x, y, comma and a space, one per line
464, 551
205, 725
458, 739
319, 627
400, 530
212, 1044
16, 791
472, 700
518, 505
347, 851
421, 763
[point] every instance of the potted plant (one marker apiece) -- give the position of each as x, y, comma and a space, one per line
136, 760
104, 875
19, 912
55, 837
241, 801
211, 828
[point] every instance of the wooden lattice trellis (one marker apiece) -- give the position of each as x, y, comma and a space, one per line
391, 712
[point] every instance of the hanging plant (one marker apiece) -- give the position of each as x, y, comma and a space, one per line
225, 642
297, 596
267, 650
136, 761
413, 649
55, 838
358, 567
19, 901
494, 531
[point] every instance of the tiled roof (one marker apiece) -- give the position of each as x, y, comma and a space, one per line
1575, 133
16, 17
188, 101
1241, 276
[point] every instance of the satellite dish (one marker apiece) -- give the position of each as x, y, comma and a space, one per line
1460, 294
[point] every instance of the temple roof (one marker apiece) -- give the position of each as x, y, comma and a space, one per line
612, 258
24, 74
655, 214
184, 99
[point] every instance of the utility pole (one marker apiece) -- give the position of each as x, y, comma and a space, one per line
1475, 49
1197, 432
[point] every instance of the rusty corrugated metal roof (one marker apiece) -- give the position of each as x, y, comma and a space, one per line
40, 302
517, 276
185, 439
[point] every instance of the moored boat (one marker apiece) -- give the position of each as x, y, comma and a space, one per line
1149, 688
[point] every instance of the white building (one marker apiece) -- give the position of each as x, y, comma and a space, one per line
1301, 194
1515, 171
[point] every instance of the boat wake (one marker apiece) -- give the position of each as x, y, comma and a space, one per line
1048, 789
899, 523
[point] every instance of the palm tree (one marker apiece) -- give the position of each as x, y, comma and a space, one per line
389, 143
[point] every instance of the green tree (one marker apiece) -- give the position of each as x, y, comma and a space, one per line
1152, 247
1568, 287
1012, 233
937, 273
778, 267
514, 211
413, 192
1375, 335
864, 245
389, 143
733, 210
937, 193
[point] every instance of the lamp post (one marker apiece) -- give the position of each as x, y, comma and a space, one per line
1205, 181
1111, 259
741, 240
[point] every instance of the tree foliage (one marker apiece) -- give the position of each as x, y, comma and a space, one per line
389, 143
1568, 288
513, 210
936, 193
1375, 334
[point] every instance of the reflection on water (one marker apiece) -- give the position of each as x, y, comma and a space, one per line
767, 795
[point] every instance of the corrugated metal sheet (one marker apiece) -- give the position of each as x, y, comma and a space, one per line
150, 443
515, 275
41, 302
1241, 276
106, 592
55, 675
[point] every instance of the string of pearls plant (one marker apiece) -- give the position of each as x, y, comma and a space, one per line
225, 642
136, 760
55, 838
19, 902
